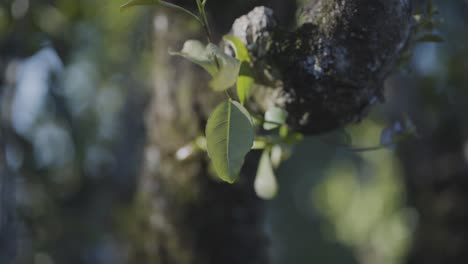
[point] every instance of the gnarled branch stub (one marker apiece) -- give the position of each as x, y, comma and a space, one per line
331, 69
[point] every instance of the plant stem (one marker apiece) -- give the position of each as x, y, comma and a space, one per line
170, 5
204, 22
204, 19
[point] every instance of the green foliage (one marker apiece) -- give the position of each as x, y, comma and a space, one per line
230, 131
242, 53
288, 136
265, 183
197, 53
245, 80
223, 68
228, 70
230, 136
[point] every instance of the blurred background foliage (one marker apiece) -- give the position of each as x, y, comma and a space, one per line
75, 80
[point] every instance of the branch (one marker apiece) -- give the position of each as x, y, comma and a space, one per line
329, 71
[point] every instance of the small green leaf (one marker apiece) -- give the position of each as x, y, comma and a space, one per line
265, 183
288, 136
245, 81
229, 67
228, 71
230, 136
274, 118
242, 53
284, 132
197, 53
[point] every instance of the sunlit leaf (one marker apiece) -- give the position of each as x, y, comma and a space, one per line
228, 72
230, 136
197, 53
288, 136
274, 118
265, 183
242, 53
245, 81
224, 75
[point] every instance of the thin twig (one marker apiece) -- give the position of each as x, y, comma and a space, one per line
179, 8
206, 27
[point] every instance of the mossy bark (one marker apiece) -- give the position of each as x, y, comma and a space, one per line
330, 70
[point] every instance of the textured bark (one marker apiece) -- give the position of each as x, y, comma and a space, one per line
331, 69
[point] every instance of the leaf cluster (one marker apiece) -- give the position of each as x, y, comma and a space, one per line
231, 130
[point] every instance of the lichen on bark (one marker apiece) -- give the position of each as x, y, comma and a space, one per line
330, 70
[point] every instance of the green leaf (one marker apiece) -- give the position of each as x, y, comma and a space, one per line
242, 53
245, 81
230, 136
228, 71
265, 183
290, 137
223, 77
196, 52
274, 118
